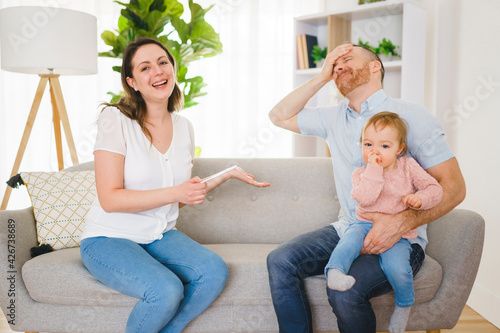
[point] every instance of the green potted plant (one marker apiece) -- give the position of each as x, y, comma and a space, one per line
318, 54
161, 19
387, 48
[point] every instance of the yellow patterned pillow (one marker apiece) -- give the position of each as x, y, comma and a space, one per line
60, 202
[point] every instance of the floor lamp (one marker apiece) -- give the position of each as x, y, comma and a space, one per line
49, 42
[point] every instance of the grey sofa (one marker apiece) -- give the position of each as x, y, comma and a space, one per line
242, 224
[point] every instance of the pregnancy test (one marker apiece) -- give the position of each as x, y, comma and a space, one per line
215, 175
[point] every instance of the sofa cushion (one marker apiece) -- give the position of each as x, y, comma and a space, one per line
60, 202
60, 278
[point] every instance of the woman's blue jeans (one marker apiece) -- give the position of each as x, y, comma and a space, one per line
175, 278
395, 262
307, 255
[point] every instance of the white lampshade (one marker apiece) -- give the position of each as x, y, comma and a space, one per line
47, 40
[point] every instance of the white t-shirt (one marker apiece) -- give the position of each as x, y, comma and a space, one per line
145, 168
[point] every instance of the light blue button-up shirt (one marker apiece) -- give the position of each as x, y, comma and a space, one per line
341, 127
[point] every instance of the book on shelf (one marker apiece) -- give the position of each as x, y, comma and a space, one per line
303, 49
305, 44
300, 53
310, 42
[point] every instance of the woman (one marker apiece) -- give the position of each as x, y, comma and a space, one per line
143, 160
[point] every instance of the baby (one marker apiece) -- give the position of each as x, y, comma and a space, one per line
389, 184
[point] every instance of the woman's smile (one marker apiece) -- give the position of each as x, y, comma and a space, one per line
160, 83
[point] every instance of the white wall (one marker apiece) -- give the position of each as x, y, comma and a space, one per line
478, 92
463, 90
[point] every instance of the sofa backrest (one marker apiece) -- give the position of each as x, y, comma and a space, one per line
301, 198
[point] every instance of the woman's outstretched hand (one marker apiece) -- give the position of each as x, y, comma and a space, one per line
240, 174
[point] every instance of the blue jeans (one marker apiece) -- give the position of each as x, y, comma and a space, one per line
307, 255
395, 262
175, 278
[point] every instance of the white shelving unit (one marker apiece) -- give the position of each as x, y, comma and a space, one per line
401, 21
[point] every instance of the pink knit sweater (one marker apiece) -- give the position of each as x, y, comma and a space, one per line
383, 192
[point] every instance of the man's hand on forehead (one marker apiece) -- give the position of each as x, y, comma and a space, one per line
341, 51
330, 62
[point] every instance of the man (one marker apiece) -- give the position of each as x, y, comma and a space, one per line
358, 75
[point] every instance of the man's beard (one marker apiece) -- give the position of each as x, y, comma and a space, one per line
358, 78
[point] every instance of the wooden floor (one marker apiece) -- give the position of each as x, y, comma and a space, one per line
470, 322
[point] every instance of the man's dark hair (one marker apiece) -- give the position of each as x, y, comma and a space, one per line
372, 56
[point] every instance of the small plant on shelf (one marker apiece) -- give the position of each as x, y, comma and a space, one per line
388, 48
385, 47
318, 54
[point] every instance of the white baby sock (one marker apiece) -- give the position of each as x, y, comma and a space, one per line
338, 280
399, 319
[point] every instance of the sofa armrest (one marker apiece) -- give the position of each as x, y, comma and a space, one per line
456, 242
17, 237
19, 227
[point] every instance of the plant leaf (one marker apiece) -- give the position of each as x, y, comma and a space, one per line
174, 8
134, 19
123, 23
197, 12
191, 89
134, 3
143, 8
194, 86
203, 36
158, 5
156, 22
109, 38
182, 28
181, 73
115, 97
107, 54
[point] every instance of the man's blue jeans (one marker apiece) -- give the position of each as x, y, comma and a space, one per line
394, 262
175, 278
307, 255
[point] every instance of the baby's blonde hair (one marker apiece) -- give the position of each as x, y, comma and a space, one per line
383, 119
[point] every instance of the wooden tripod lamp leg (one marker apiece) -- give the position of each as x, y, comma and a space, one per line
26, 136
61, 108
59, 116
56, 119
